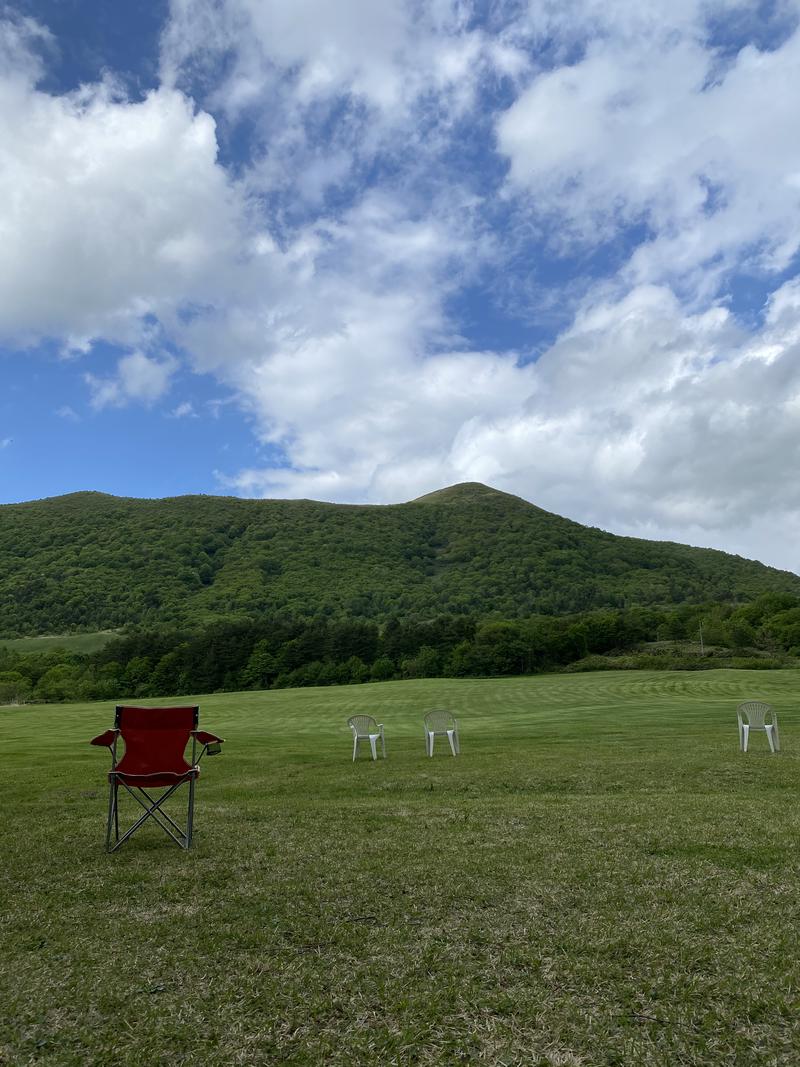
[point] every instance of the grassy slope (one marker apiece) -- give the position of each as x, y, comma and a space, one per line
88, 561
86, 642
601, 878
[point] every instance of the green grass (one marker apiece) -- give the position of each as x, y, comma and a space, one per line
82, 643
601, 878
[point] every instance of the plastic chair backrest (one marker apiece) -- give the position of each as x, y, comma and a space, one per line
363, 725
754, 712
155, 739
439, 720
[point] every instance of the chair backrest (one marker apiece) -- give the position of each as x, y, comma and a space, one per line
754, 711
155, 738
363, 725
439, 720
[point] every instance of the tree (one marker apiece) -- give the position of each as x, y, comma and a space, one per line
383, 669
15, 688
261, 667
500, 648
59, 683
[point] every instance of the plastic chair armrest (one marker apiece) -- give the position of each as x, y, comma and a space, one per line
206, 738
105, 740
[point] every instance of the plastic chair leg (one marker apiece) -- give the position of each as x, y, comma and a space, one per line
372, 745
430, 743
355, 748
452, 742
745, 737
768, 731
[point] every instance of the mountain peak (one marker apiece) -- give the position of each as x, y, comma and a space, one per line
465, 491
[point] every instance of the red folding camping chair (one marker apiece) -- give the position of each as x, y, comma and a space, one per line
155, 743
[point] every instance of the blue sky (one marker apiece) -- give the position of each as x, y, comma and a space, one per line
360, 251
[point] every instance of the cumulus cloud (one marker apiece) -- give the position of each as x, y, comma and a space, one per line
184, 410
112, 210
654, 126
138, 378
387, 54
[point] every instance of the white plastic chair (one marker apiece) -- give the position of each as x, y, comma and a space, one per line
441, 724
365, 728
751, 716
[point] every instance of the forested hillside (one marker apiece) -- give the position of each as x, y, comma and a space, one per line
89, 561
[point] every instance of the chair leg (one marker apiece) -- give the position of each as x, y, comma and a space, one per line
355, 747
113, 818
768, 732
373, 746
745, 737
452, 742
776, 736
190, 815
430, 743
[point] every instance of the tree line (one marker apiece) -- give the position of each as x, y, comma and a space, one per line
283, 651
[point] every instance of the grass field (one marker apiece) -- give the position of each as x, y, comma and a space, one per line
81, 643
600, 878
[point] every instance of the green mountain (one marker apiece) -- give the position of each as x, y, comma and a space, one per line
88, 561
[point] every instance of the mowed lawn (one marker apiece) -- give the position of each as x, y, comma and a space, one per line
600, 878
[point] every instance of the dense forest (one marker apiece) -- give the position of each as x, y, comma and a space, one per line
281, 651
88, 562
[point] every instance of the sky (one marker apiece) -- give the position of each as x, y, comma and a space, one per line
361, 251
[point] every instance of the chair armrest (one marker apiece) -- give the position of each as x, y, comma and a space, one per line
206, 738
105, 740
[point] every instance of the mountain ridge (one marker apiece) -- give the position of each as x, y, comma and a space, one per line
91, 561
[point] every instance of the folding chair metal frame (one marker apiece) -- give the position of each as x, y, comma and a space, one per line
135, 783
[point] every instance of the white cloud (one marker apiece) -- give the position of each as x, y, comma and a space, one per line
184, 410
385, 53
6, 441
111, 210
659, 131
139, 378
